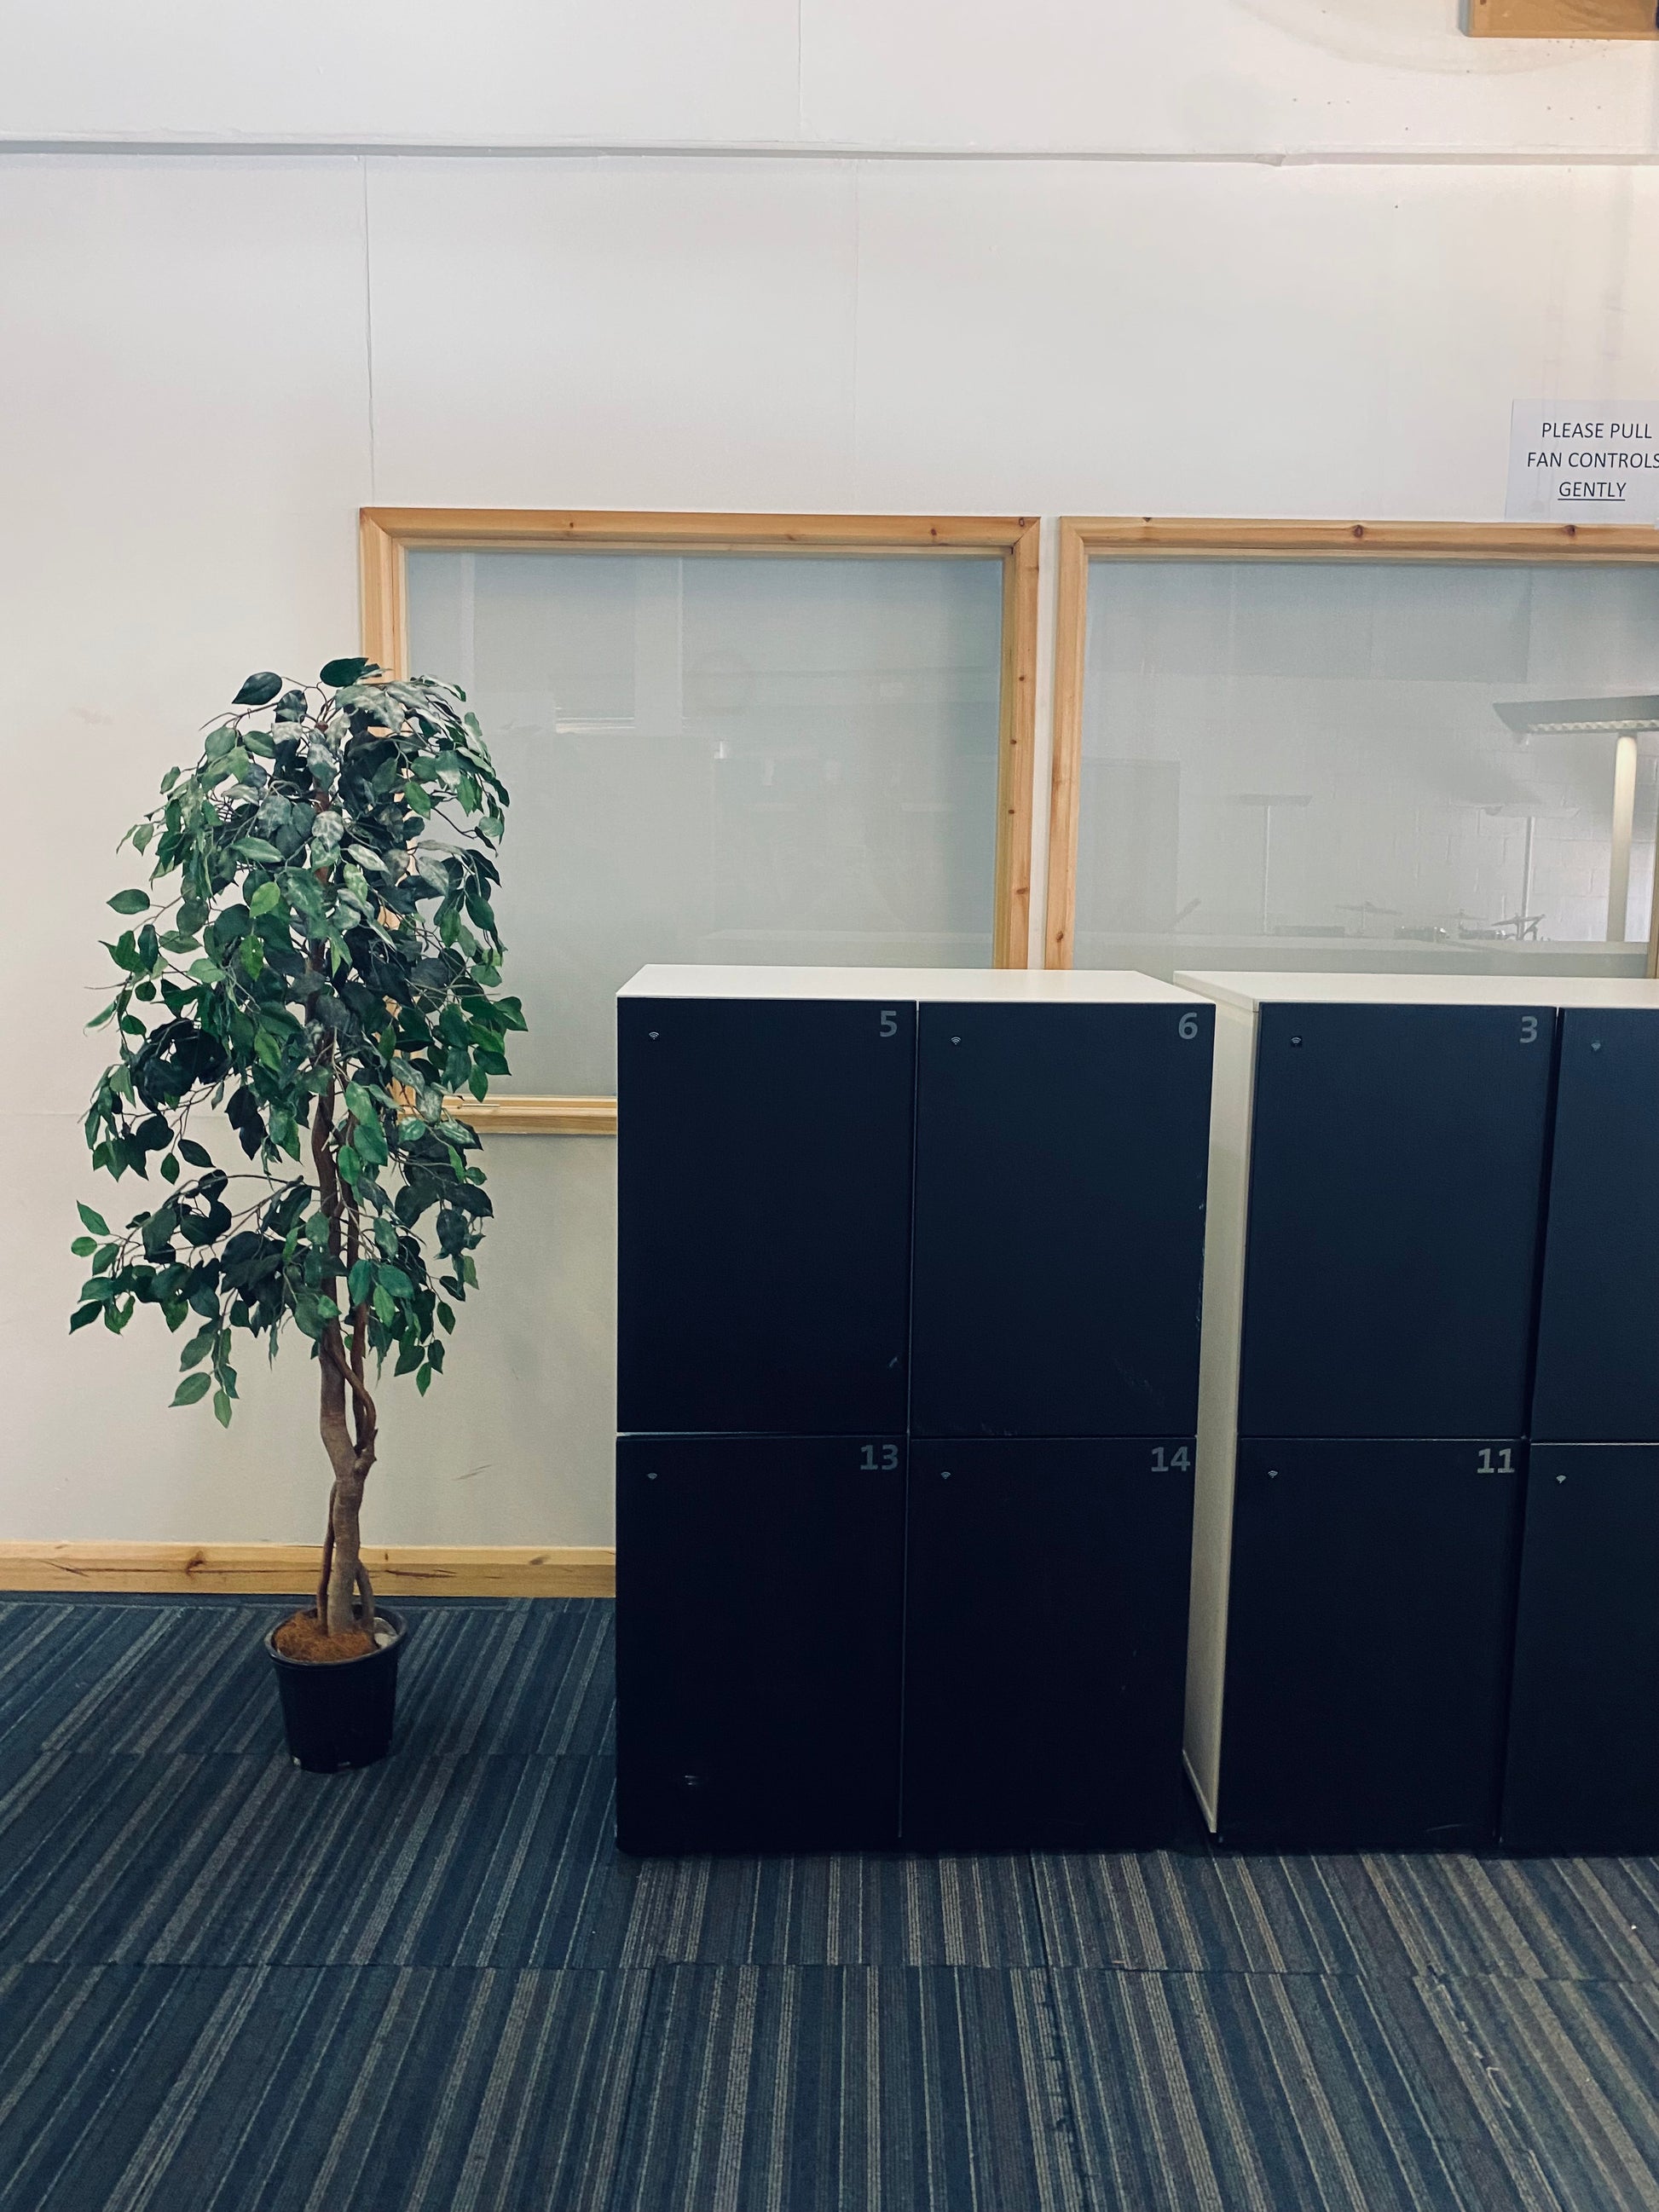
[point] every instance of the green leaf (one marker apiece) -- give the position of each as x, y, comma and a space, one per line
129, 902
192, 1389
84, 1247
383, 1304
257, 849
424, 1380
361, 1281
253, 956
338, 673
95, 1222
83, 1316
199, 1346
368, 1141
170, 1169
264, 900
259, 691
221, 1407
197, 1155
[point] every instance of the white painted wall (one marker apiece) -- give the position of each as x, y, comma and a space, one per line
1184, 78
209, 359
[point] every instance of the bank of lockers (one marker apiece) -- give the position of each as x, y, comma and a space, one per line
895, 1215
1046, 1641
1059, 1143
1598, 1326
1583, 1741
1582, 1769
1420, 1257
759, 1611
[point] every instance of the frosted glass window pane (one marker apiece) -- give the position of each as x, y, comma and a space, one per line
1295, 764
721, 759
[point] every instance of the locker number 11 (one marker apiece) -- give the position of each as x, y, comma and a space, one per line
1504, 1464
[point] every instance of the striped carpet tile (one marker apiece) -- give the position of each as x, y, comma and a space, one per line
1555, 2083
1328, 1913
199, 1861
216, 2089
938, 2089
226, 1986
1247, 2093
530, 1679
842, 1911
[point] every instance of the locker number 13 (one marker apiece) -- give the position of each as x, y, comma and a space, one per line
879, 1459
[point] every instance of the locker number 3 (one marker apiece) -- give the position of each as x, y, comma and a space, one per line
1528, 1029
1500, 1462
887, 1461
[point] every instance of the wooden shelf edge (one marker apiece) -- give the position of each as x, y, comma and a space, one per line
537, 1117
281, 1569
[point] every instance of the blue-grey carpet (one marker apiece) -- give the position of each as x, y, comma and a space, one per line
226, 1986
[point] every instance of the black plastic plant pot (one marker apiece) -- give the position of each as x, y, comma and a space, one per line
339, 1714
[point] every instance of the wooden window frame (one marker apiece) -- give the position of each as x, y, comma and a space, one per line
1084, 538
1559, 19
389, 533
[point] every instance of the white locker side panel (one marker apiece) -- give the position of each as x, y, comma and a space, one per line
1225, 1223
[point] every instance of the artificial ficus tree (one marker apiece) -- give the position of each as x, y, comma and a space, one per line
317, 958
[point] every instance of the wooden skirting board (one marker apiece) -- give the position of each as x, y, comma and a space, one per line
403, 1571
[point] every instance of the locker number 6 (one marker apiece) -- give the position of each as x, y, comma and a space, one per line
870, 1465
1186, 1026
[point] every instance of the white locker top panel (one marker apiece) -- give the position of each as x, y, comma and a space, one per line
1249, 989
1081, 986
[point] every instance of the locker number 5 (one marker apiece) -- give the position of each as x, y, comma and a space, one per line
889, 1021
889, 1459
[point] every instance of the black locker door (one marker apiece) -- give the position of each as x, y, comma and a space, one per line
1584, 1756
759, 1596
1046, 1643
1597, 1380
1396, 1166
764, 1171
1368, 1642
1062, 1150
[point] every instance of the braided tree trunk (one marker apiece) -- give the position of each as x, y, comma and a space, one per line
348, 1437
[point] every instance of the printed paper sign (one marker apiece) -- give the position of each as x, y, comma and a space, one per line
1591, 466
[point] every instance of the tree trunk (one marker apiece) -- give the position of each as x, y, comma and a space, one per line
349, 1444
